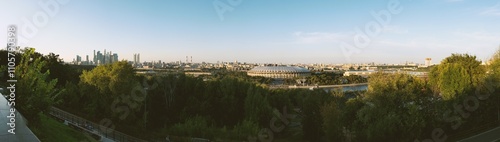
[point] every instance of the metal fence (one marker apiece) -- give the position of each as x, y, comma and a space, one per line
91, 127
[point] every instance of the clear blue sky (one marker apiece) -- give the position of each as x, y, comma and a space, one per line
271, 31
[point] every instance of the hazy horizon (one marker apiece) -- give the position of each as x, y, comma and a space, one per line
259, 31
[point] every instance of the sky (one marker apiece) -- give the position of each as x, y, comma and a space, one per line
257, 31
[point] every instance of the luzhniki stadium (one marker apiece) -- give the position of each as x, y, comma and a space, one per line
279, 72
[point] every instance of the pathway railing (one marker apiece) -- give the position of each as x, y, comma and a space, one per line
91, 127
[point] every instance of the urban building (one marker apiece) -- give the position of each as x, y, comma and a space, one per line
279, 71
359, 73
368, 73
98, 59
428, 61
137, 58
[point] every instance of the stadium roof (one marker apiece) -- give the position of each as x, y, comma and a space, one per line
284, 69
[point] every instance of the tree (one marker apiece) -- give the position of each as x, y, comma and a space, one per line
63, 73
114, 84
257, 106
355, 79
495, 69
117, 78
332, 123
456, 75
312, 120
494, 65
393, 108
490, 89
35, 93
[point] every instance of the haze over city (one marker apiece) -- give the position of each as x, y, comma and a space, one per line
260, 31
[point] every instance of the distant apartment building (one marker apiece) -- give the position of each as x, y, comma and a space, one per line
137, 58
428, 61
359, 73
78, 59
368, 73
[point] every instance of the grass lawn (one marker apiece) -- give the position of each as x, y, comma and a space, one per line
54, 131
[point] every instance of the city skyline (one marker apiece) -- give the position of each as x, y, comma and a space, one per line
259, 31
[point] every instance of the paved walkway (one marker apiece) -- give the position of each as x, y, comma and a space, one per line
22, 132
488, 136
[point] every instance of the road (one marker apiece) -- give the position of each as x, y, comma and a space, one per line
492, 135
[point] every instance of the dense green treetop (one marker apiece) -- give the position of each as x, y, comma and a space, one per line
456, 75
35, 91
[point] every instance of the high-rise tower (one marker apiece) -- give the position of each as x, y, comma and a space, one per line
428, 61
135, 57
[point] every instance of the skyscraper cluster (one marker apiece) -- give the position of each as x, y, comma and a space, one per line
99, 58
104, 58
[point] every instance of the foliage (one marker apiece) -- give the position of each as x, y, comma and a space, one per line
245, 129
335, 79
193, 127
231, 106
456, 75
257, 106
312, 120
352, 79
393, 108
60, 71
117, 78
63, 73
35, 93
332, 124
494, 66
325, 79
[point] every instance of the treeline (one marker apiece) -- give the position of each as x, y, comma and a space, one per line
228, 107
460, 95
326, 78
320, 78
40, 79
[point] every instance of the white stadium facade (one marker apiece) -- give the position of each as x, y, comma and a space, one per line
278, 72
